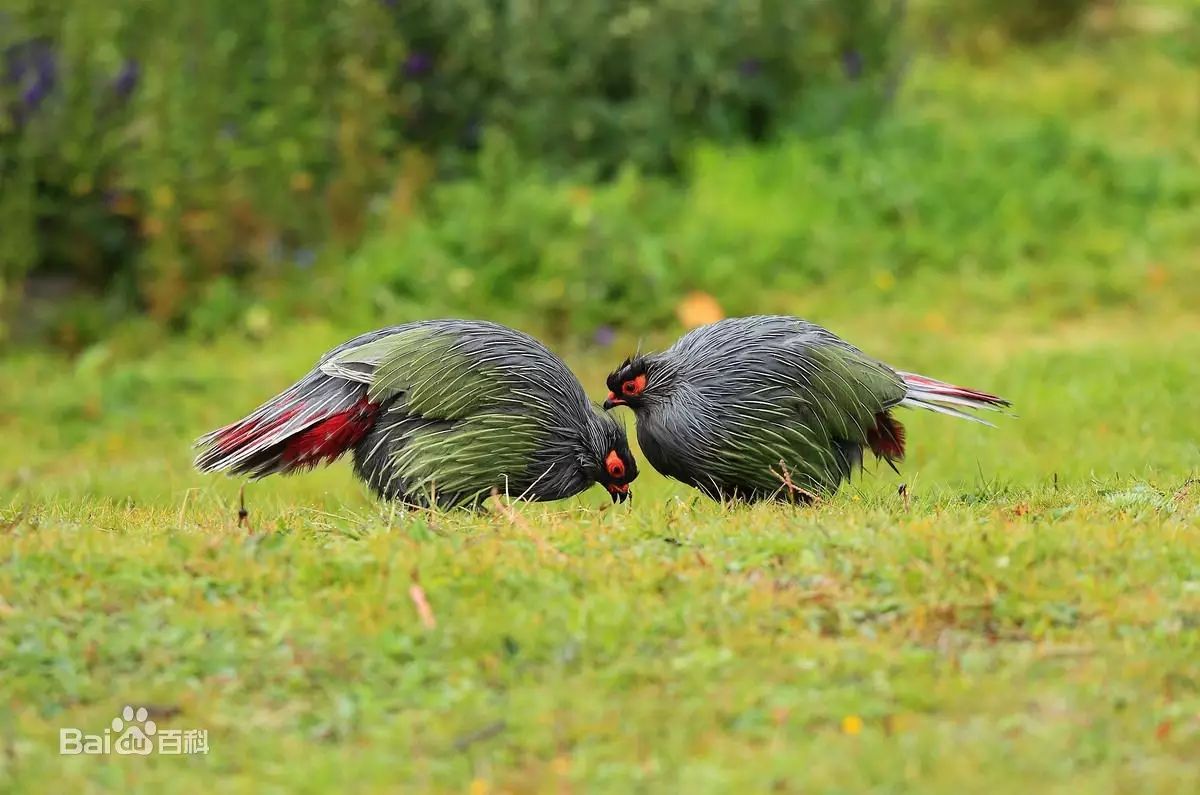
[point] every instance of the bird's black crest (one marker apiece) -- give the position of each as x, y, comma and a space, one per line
632, 367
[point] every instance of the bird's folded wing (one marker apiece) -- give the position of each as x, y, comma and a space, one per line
844, 389
432, 367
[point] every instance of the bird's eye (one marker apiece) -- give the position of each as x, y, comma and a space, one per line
615, 466
634, 386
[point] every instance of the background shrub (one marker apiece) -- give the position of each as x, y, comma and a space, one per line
1015, 207
153, 148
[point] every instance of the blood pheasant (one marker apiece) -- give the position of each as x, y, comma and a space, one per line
773, 407
438, 412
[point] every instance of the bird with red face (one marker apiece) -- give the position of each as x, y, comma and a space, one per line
436, 413
773, 407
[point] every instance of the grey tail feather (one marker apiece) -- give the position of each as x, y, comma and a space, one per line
943, 398
258, 444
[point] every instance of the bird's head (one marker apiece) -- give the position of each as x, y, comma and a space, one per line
616, 467
628, 383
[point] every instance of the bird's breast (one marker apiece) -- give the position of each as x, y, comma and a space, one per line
669, 442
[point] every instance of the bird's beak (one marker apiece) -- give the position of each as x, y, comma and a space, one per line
613, 400
619, 493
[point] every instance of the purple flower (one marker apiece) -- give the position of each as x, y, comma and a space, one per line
33, 57
418, 64
35, 92
749, 67
604, 336
852, 63
33, 67
127, 79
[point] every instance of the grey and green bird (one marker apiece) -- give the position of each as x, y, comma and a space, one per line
776, 407
437, 413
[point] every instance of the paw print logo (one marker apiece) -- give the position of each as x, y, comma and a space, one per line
133, 738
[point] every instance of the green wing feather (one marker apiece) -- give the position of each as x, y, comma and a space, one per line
466, 460
811, 421
849, 388
479, 435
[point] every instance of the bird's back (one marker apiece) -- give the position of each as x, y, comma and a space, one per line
435, 411
482, 406
764, 405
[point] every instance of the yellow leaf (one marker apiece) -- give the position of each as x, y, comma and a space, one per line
478, 787
698, 309
852, 725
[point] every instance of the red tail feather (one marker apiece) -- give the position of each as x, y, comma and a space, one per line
950, 390
234, 436
329, 438
886, 439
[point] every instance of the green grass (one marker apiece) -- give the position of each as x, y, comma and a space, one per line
1027, 620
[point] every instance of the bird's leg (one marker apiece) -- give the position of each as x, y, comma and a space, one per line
795, 493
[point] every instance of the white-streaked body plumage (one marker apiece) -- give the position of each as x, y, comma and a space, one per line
772, 407
436, 412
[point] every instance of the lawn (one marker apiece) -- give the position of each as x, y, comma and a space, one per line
1023, 616
1027, 616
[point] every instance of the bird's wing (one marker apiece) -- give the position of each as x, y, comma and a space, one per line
479, 429
841, 388
798, 414
434, 369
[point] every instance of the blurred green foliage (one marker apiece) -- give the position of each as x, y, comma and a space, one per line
151, 148
1025, 205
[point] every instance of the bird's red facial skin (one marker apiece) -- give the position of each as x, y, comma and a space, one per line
615, 466
613, 400
621, 489
634, 386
